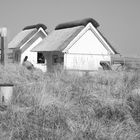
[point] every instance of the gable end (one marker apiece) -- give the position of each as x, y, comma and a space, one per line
98, 36
41, 33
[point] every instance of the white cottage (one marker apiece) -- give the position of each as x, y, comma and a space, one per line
76, 45
22, 44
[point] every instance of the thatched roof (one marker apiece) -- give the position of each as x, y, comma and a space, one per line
82, 22
37, 26
25, 35
21, 38
58, 40
64, 33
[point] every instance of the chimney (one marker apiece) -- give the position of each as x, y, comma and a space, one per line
4, 46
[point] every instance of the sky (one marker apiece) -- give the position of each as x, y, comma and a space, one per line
119, 19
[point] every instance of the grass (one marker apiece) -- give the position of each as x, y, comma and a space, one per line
60, 106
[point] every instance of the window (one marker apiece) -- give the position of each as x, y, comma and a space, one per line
55, 59
40, 58
17, 56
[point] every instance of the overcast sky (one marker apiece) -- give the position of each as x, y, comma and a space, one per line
119, 19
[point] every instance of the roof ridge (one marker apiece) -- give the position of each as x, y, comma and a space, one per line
75, 23
37, 26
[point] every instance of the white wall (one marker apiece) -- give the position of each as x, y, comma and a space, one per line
84, 62
32, 56
88, 44
86, 53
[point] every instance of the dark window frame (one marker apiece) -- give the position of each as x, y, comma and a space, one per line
40, 58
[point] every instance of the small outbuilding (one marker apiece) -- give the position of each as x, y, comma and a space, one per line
6, 93
77, 46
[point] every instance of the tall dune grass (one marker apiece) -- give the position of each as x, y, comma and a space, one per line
60, 105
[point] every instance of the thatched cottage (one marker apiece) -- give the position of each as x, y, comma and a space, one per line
22, 44
76, 46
